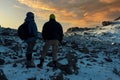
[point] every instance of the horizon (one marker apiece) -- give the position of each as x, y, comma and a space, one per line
72, 13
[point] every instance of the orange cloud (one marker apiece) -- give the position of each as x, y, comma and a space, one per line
107, 1
115, 9
36, 4
76, 12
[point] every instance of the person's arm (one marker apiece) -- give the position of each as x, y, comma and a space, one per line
33, 29
60, 33
44, 32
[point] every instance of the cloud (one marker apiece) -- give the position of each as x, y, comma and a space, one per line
17, 6
107, 1
80, 13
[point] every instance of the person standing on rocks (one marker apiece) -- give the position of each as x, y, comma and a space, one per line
52, 34
29, 34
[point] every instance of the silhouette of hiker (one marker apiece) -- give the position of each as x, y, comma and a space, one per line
29, 34
52, 34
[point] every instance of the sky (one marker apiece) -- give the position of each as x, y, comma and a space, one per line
70, 13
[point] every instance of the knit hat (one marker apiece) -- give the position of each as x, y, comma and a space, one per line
30, 14
52, 16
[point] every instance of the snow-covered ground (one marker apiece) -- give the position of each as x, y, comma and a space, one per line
88, 55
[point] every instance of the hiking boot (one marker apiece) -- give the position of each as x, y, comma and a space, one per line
40, 65
30, 64
54, 65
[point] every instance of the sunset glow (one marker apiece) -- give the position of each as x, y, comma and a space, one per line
70, 13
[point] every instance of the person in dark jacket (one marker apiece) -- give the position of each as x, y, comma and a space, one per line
32, 30
52, 34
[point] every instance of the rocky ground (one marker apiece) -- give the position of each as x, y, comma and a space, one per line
83, 55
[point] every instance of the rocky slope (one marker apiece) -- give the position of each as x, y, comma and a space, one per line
83, 55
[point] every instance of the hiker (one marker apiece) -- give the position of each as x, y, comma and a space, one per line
30, 38
52, 34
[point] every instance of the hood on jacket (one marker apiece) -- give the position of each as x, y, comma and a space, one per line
29, 16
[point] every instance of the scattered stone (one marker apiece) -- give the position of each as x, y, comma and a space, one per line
14, 57
108, 59
81, 62
89, 64
109, 79
87, 56
106, 23
42, 79
57, 77
92, 60
66, 69
116, 72
20, 56
2, 75
14, 65
34, 78
72, 62
2, 61
84, 50
50, 64
94, 55
49, 54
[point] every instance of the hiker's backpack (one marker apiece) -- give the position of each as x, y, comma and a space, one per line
23, 32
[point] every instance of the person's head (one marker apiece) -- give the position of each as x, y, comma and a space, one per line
29, 16
52, 17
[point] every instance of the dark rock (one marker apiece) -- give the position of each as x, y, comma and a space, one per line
2, 61
117, 18
75, 29
14, 65
20, 56
50, 64
57, 77
108, 59
2, 75
106, 23
81, 62
63, 43
89, 64
8, 42
87, 56
94, 55
34, 78
14, 57
49, 54
84, 50
116, 72
72, 62
15, 47
93, 51
66, 69
92, 60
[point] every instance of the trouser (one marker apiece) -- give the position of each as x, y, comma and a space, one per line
54, 44
30, 50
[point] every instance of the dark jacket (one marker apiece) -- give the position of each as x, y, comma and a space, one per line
32, 28
52, 30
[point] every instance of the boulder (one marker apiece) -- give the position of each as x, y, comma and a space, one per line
2, 75
106, 23
2, 61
